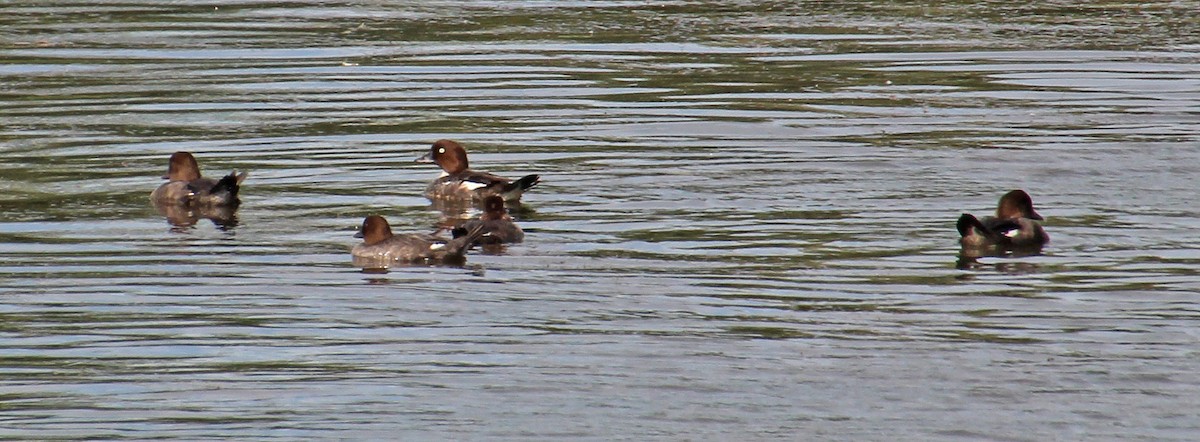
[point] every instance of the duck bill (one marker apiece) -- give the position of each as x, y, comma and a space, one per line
424, 159
1035, 215
359, 234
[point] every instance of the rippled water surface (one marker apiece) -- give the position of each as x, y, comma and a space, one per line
745, 229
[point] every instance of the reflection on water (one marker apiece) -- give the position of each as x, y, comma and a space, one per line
381, 265
968, 259
745, 227
184, 216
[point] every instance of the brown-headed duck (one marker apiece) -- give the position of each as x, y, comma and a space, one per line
187, 187
380, 248
499, 228
458, 182
1015, 226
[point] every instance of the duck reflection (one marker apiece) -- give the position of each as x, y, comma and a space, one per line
968, 259
183, 216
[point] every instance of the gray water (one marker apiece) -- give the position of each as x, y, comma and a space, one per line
745, 229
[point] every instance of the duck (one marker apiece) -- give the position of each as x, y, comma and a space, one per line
187, 188
381, 248
1016, 225
498, 226
459, 183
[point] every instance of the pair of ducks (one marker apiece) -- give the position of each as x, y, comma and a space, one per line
458, 184
1016, 225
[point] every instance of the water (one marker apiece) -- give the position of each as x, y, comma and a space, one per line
745, 229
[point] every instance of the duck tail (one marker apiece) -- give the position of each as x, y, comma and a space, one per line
512, 191
228, 185
458, 246
967, 222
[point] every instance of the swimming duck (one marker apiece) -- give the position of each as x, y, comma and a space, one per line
458, 182
187, 187
498, 226
380, 247
1015, 225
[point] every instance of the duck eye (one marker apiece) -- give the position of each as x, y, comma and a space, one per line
441, 150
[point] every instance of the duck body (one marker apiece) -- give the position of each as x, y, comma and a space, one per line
1016, 225
497, 226
187, 188
459, 183
381, 248
1005, 233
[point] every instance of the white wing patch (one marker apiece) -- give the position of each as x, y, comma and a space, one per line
471, 185
436, 246
1012, 233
